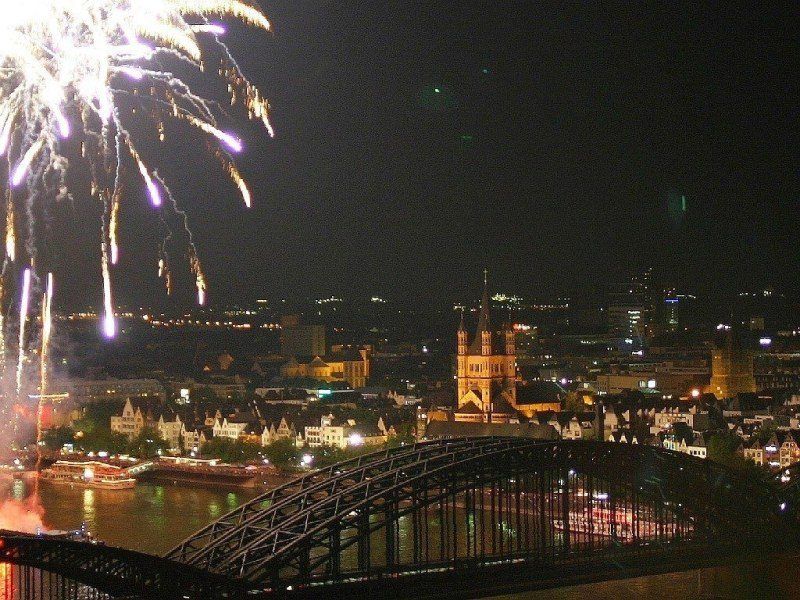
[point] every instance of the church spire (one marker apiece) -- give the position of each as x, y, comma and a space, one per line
483, 319
482, 342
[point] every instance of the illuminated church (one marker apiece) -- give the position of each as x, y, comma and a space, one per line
486, 370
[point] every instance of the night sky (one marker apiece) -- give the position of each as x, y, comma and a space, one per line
548, 153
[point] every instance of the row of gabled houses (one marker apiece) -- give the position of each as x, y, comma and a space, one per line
189, 434
781, 450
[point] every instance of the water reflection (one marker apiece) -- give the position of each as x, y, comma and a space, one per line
153, 518
88, 506
26, 583
6, 581
18, 490
150, 518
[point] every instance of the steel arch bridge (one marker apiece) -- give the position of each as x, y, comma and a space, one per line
492, 508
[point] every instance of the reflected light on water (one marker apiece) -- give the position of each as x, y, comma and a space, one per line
150, 517
88, 505
18, 490
6, 582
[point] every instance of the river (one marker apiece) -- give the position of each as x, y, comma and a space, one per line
150, 517
154, 517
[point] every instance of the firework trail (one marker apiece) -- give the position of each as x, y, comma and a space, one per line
11, 240
47, 328
24, 305
44, 365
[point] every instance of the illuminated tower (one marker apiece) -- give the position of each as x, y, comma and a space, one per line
731, 368
485, 369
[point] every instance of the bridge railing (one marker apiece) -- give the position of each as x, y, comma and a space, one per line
116, 571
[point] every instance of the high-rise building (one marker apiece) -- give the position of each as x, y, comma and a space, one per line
626, 321
630, 309
678, 311
731, 367
301, 340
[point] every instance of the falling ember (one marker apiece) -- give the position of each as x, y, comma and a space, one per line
132, 72
237, 178
152, 188
5, 132
200, 279
112, 229
63, 124
23, 319
244, 191
47, 327
25, 164
100, 70
241, 184
231, 141
212, 28
11, 242
109, 323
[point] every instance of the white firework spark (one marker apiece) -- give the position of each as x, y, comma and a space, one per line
24, 306
95, 70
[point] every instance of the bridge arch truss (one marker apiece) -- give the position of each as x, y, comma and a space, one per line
469, 503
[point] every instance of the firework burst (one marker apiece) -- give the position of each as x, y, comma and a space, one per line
96, 70
88, 80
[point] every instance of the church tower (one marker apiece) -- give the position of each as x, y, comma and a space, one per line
461, 357
486, 369
731, 367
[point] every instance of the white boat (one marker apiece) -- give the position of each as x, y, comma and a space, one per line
91, 474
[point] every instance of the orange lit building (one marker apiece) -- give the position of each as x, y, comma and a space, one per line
486, 371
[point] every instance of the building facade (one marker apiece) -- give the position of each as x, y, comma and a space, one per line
102, 390
731, 368
228, 429
301, 340
351, 367
131, 422
486, 370
342, 435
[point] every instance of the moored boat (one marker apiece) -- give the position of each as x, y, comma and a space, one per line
91, 474
621, 523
